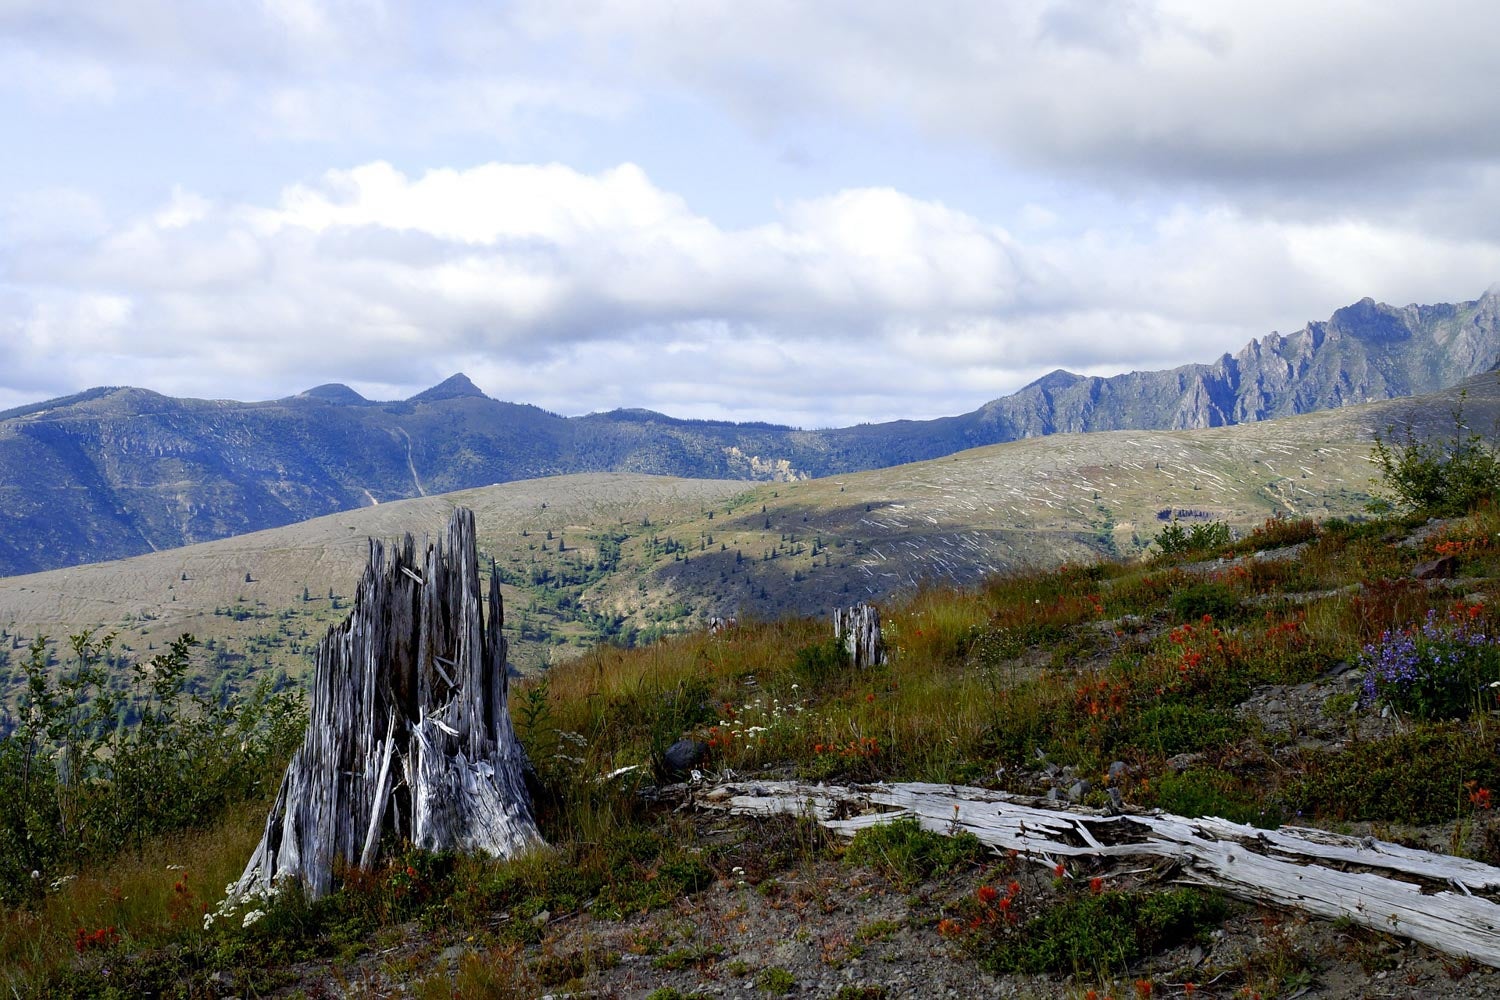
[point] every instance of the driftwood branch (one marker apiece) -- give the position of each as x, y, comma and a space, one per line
1443, 902
412, 682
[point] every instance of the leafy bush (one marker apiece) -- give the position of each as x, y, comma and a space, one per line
1174, 539
1211, 792
1440, 669
1194, 601
1415, 777
1445, 478
911, 854
1101, 933
80, 784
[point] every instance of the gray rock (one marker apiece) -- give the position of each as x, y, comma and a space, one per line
1117, 771
1443, 567
683, 756
1079, 789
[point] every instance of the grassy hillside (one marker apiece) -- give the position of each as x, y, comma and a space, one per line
1227, 681
631, 557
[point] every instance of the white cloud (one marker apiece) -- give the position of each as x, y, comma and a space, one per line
583, 291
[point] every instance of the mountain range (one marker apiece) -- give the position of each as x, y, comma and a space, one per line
119, 471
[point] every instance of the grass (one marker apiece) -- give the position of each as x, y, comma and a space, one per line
1138, 662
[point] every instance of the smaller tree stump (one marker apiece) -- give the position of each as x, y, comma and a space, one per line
858, 628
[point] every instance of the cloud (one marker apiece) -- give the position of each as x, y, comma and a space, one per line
582, 291
1274, 93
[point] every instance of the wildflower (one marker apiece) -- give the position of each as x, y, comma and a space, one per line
1059, 869
1188, 989
987, 894
252, 917
1013, 888
1478, 797
1096, 885
1143, 988
870, 696
949, 928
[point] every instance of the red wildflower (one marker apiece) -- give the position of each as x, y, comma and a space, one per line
1096, 885
1059, 870
987, 894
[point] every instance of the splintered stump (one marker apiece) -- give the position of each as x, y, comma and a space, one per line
858, 629
408, 735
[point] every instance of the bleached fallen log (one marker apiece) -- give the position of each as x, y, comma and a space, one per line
414, 677
1443, 902
858, 629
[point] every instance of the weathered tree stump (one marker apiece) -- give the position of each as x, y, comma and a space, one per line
408, 733
858, 627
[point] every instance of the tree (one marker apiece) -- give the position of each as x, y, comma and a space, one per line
1438, 478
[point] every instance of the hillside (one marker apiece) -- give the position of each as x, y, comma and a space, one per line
1228, 681
114, 472
630, 557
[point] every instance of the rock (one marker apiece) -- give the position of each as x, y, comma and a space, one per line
1442, 567
1182, 761
683, 756
1079, 789
1116, 800
1117, 771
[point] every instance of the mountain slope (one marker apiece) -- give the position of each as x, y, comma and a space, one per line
114, 472
624, 556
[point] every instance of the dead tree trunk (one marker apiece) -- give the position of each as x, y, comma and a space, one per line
1443, 902
858, 628
408, 733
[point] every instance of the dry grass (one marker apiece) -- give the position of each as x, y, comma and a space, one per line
149, 898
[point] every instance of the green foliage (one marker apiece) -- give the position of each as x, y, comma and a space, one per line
80, 784
910, 854
774, 979
1446, 478
1103, 933
1174, 539
1211, 792
819, 662
1173, 727
1192, 602
1416, 777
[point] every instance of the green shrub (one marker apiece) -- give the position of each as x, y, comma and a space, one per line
1174, 539
1445, 478
1099, 935
1211, 792
1174, 727
1416, 777
910, 854
1194, 601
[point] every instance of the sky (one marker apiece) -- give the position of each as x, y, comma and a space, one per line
809, 213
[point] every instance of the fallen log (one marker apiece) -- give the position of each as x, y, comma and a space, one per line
409, 737
1443, 902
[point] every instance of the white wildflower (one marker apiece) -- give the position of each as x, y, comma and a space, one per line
208, 920
252, 917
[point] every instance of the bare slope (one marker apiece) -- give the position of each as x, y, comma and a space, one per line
626, 557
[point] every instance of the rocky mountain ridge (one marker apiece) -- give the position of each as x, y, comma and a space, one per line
113, 472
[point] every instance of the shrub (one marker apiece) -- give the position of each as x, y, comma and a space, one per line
1436, 670
1194, 601
911, 854
1445, 478
1097, 934
1174, 539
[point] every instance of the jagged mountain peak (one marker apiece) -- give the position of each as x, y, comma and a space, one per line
455, 386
